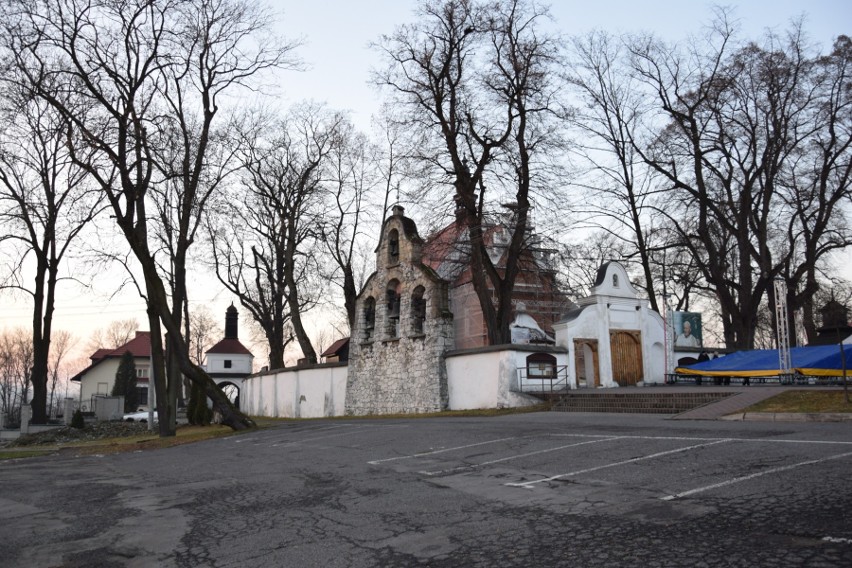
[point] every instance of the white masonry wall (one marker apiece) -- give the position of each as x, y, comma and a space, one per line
487, 378
301, 392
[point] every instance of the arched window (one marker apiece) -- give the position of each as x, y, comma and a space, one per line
393, 246
541, 365
615, 280
418, 310
393, 308
369, 318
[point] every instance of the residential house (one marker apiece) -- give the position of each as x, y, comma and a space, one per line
98, 378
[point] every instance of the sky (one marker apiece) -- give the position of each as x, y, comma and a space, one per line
338, 34
338, 59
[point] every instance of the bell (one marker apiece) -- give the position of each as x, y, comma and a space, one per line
393, 308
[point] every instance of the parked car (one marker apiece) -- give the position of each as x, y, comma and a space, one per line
140, 416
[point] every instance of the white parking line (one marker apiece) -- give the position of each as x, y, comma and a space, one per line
265, 440
825, 442
441, 451
348, 432
475, 465
752, 476
706, 439
529, 484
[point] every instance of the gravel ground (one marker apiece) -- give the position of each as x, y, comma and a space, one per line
94, 431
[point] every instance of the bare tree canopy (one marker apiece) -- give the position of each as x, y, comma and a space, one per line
728, 159
114, 335
476, 85
45, 202
16, 360
269, 258
140, 85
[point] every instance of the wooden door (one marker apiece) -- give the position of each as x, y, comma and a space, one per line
626, 349
586, 362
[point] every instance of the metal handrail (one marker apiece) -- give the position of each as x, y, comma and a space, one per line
556, 382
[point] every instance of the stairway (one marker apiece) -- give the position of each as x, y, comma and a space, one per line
634, 402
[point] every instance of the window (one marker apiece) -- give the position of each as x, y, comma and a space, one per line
418, 310
369, 318
141, 372
541, 365
143, 395
103, 388
227, 363
393, 309
615, 280
393, 246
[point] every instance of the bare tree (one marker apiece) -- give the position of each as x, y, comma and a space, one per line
62, 343
44, 205
579, 262
352, 177
16, 362
817, 183
746, 131
202, 332
606, 123
114, 335
136, 74
476, 85
268, 259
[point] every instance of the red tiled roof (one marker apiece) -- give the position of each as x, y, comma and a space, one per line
335, 347
139, 346
100, 354
440, 244
230, 346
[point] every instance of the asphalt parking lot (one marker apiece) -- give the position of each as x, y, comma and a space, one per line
545, 489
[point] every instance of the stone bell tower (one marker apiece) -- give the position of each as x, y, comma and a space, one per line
402, 331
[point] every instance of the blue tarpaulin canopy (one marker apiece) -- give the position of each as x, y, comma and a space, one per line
819, 360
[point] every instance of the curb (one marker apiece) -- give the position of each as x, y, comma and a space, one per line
789, 416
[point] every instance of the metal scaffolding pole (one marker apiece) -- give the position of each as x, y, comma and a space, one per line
782, 324
669, 338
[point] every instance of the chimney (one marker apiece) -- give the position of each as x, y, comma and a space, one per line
231, 323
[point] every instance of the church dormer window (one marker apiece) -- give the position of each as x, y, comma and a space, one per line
393, 246
418, 310
393, 308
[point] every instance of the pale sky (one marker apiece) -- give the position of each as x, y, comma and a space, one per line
337, 34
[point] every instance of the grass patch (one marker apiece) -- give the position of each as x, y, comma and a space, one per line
18, 453
804, 401
152, 441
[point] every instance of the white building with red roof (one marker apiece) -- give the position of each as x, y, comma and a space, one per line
97, 379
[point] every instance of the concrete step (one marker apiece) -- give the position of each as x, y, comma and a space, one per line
641, 403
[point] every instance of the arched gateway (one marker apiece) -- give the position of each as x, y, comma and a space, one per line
229, 362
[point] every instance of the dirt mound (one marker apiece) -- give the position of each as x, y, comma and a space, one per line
94, 431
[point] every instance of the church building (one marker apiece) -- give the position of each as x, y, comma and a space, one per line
403, 330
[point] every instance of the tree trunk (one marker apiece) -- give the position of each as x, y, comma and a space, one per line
39, 380
350, 296
42, 323
157, 374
